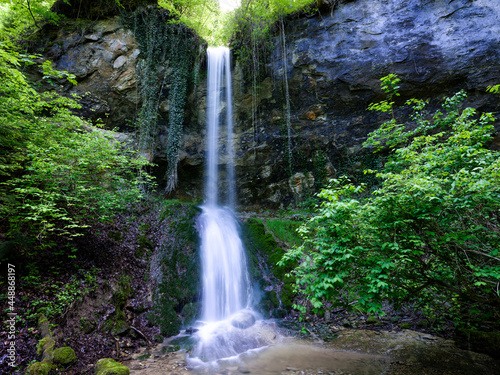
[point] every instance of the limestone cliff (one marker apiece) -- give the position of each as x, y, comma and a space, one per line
334, 61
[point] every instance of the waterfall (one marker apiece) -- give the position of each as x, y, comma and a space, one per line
225, 277
227, 320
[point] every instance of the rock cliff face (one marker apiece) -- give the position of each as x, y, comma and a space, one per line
103, 57
333, 65
334, 62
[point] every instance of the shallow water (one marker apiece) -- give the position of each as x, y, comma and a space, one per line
283, 357
297, 358
261, 349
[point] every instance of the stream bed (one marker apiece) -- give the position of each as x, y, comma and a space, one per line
352, 352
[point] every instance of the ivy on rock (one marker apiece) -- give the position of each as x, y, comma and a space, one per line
168, 52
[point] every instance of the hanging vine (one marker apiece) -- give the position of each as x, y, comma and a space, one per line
168, 50
287, 100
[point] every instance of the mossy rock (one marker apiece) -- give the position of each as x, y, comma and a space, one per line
479, 341
108, 366
122, 293
45, 347
40, 368
255, 231
180, 265
64, 356
190, 312
120, 328
44, 325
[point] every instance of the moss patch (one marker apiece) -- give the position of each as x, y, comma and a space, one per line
108, 366
479, 341
40, 368
122, 293
45, 347
64, 356
117, 322
180, 267
258, 241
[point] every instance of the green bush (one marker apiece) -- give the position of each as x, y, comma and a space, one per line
56, 170
429, 234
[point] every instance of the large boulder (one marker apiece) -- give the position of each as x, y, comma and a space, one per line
243, 319
64, 356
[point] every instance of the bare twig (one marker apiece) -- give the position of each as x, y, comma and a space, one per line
142, 334
31, 13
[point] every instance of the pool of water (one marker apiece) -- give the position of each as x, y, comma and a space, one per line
296, 358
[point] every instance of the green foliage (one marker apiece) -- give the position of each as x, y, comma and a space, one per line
493, 89
285, 230
218, 25
17, 15
64, 295
251, 41
390, 87
168, 51
97, 9
429, 234
204, 16
56, 170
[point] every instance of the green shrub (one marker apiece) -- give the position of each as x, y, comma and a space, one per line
56, 170
430, 234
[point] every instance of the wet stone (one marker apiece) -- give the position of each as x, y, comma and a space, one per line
243, 320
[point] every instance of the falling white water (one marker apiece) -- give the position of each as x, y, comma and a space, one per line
225, 276
228, 325
229, 335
